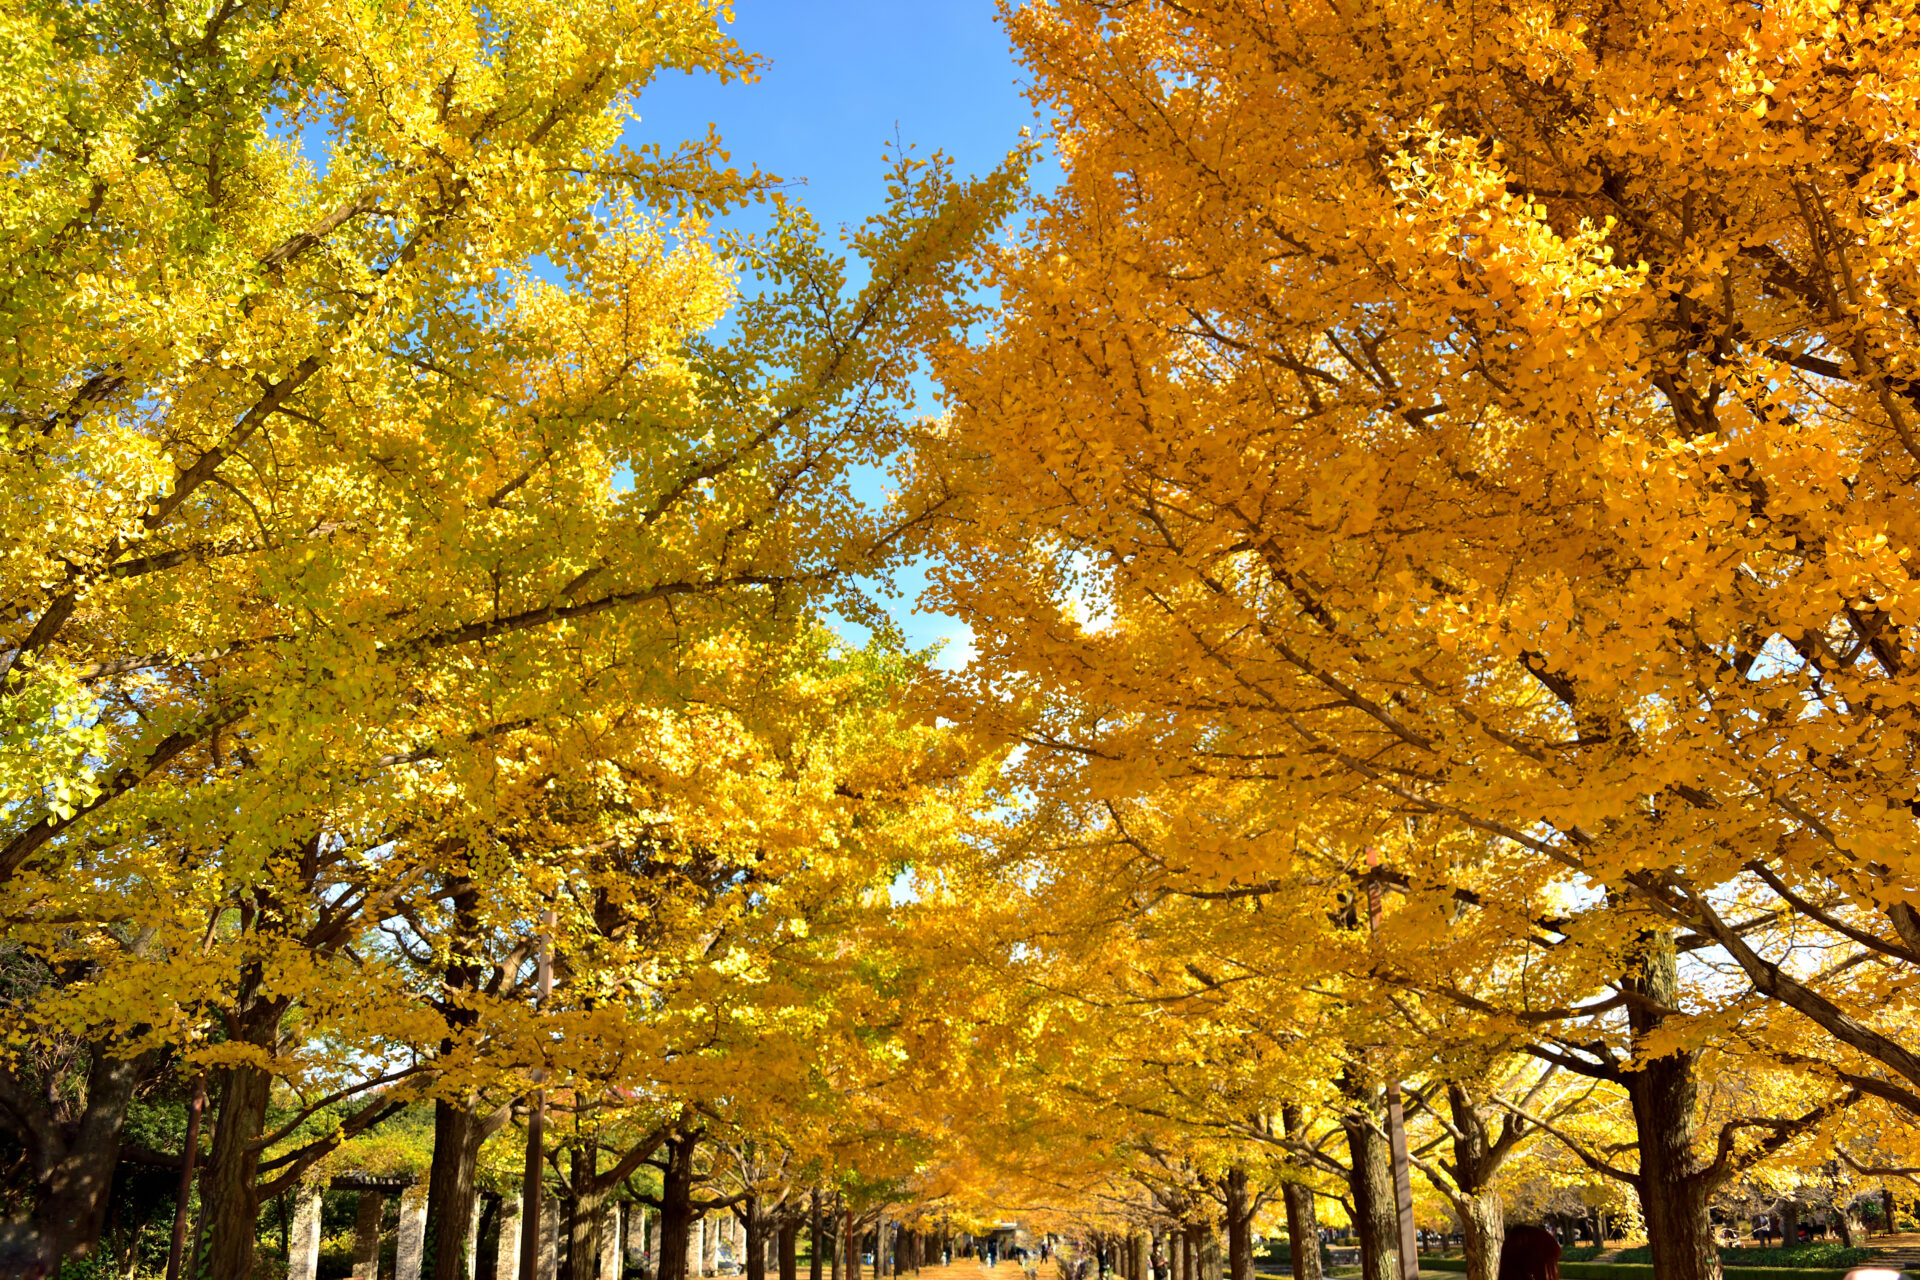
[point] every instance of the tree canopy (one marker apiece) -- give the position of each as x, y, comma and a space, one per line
1430, 491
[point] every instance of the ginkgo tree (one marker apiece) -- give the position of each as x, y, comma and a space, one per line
353, 374
1499, 418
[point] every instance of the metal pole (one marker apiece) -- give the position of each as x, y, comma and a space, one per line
196, 1104
532, 1181
1402, 1184
1396, 1120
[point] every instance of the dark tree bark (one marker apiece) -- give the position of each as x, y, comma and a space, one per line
816, 1243
677, 1214
1370, 1177
458, 1129
1210, 1254
788, 1247
72, 1163
1240, 1210
1303, 1232
584, 1202
754, 1222
1675, 1185
1477, 1157
229, 1193
457, 1135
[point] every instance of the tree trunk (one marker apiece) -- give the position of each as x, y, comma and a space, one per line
1210, 1268
1370, 1177
583, 1214
816, 1228
1790, 1222
1303, 1232
1679, 1230
457, 1128
1239, 1225
1483, 1219
1483, 1230
787, 1248
1673, 1188
73, 1170
450, 1190
756, 1259
852, 1249
229, 1195
676, 1207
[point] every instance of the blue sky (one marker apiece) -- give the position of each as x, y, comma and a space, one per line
846, 77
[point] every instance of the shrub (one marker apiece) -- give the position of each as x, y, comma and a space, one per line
1644, 1271
1820, 1255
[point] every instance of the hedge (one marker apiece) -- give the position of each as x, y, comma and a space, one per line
1644, 1271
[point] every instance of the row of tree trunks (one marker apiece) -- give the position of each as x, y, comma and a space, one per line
1674, 1184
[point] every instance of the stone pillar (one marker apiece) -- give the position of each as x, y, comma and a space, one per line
610, 1251
473, 1240
303, 1245
551, 1213
710, 1248
696, 1246
506, 1255
366, 1236
637, 1254
411, 1247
